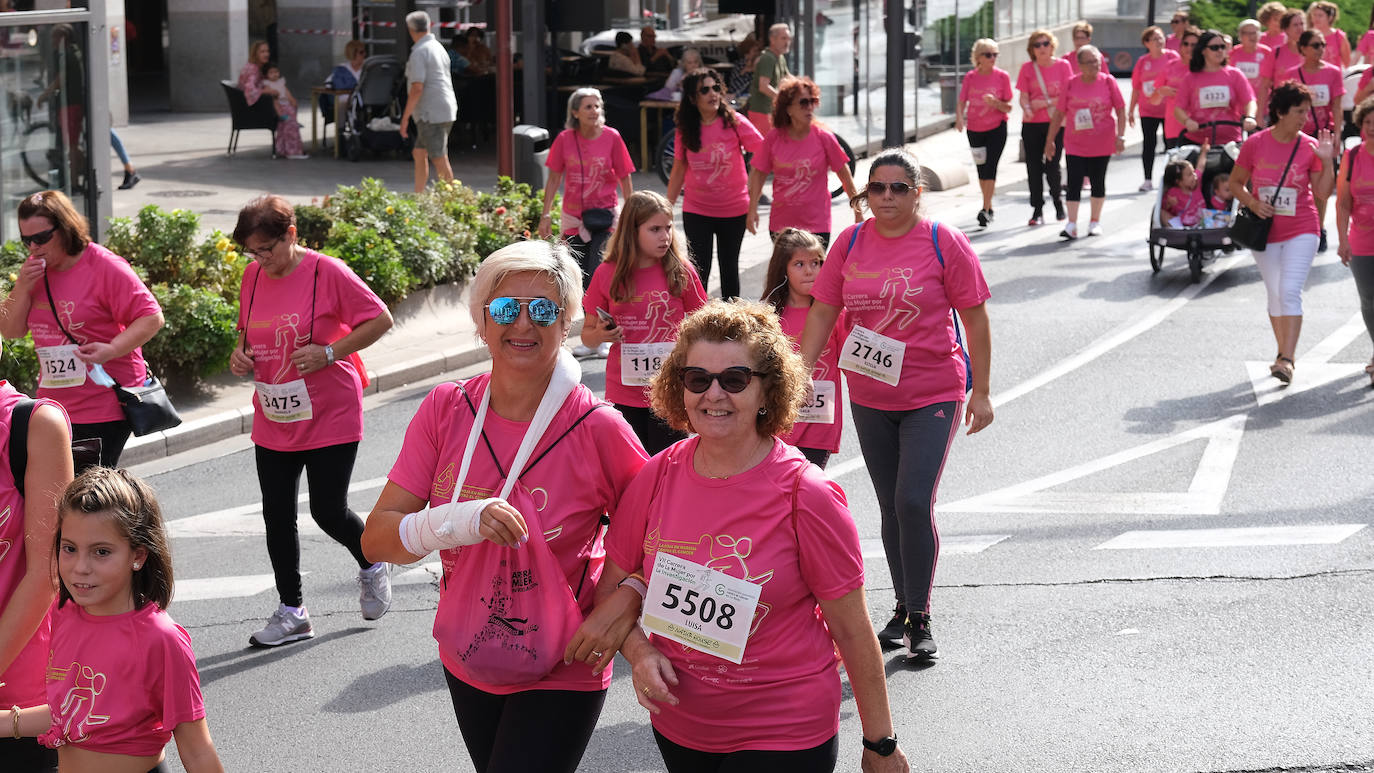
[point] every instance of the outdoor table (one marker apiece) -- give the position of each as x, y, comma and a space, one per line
658, 106
315, 92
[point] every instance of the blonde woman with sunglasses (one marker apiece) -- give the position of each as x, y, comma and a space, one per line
982, 108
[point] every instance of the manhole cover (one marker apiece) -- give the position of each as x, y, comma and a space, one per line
181, 194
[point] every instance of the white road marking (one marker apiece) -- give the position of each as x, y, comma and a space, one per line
246, 520
834, 472
1240, 537
1203, 497
206, 588
952, 545
1313, 370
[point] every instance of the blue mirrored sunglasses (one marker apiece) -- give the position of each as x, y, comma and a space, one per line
505, 310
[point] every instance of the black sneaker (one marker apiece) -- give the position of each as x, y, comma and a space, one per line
891, 634
1059, 213
130, 180
920, 645
983, 218
1321, 244
1037, 217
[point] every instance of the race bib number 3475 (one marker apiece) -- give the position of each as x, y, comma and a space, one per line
700, 607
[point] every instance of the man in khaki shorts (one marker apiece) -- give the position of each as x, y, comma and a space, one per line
430, 101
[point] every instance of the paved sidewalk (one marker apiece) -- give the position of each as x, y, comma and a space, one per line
181, 158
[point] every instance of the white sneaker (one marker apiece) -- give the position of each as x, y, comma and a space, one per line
282, 627
1070, 231
582, 350
374, 590
299, 156
1094, 228
1146, 186
603, 351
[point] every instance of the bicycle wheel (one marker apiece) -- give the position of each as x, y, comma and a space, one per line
664, 156
42, 156
832, 179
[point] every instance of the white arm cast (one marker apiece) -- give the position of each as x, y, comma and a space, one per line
449, 525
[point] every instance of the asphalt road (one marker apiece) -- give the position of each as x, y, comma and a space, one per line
1153, 560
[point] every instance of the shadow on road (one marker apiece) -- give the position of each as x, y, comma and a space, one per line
217, 667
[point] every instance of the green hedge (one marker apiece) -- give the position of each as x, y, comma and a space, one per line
397, 243
1226, 15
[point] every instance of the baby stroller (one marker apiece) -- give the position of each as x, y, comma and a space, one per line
1211, 236
374, 109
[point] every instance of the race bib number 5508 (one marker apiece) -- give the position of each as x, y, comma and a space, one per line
700, 607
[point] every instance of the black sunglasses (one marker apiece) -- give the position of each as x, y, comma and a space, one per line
733, 380
878, 189
808, 101
708, 89
1217, 47
1317, 46
989, 54
1042, 44
42, 237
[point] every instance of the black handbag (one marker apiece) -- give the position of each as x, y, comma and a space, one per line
596, 219
146, 407
1251, 231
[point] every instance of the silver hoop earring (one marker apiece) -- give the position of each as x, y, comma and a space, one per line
763, 411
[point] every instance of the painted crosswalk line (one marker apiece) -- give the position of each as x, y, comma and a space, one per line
1314, 369
208, 588
950, 545
1253, 536
246, 520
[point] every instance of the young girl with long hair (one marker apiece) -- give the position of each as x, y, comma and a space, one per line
796, 262
645, 286
121, 678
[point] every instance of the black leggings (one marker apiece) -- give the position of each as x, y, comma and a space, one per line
327, 471
1092, 167
113, 435
588, 254
728, 233
817, 456
1150, 127
995, 140
817, 759
1034, 136
653, 434
531, 730
905, 453
25, 755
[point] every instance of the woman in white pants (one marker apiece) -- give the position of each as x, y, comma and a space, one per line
1279, 174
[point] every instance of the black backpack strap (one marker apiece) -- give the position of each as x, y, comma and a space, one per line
566, 432
19, 441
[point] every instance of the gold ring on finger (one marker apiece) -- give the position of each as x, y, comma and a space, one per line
646, 690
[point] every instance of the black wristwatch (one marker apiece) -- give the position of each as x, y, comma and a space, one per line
883, 747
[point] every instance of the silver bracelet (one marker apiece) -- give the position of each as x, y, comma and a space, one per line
329, 353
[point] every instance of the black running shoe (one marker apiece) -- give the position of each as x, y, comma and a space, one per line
1321, 244
891, 634
1037, 217
1059, 213
983, 218
920, 645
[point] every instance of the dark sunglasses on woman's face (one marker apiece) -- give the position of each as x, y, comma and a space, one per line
1217, 47
708, 89
733, 380
1187, 44
898, 188
42, 237
808, 101
1318, 46
1041, 44
989, 54
505, 310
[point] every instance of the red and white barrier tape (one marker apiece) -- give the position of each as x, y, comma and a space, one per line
451, 25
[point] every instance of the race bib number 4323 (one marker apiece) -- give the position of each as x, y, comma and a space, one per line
700, 607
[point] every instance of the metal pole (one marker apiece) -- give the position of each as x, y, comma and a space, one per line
505, 91
98, 114
895, 134
1150, 12
532, 38
808, 14
858, 14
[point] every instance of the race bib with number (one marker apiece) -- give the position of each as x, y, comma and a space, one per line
1249, 69
1286, 203
821, 410
873, 355
1149, 87
1083, 119
699, 607
1321, 94
1209, 97
59, 367
980, 155
639, 362
285, 403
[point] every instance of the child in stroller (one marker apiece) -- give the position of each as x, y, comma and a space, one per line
1193, 210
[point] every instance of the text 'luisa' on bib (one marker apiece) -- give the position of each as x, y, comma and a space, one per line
285, 403
821, 409
700, 607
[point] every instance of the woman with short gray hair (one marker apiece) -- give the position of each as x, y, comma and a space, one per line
526, 504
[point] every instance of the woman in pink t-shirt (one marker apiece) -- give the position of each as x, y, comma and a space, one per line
1326, 85
287, 137
1365, 48
1177, 25
1321, 16
590, 159
1214, 91
1278, 174
1167, 85
303, 317
740, 672
792, 271
1365, 89
898, 277
1039, 82
1083, 36
26, 588
798, 152
646, 286
1289, 55
1270, 17
1355, 216
1091, 136
1147, 70
121, 677
89, 314
983, 104
453, 492
1256, 62
708, 165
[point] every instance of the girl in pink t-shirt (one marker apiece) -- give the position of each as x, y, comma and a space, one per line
796, 262
1355, 216
645, 287
798, 152
1181, 205
709, 169
121, 676
1278, 174
86, 309
984, 101
1147, 70
28, 526
303, 317
1093, 115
